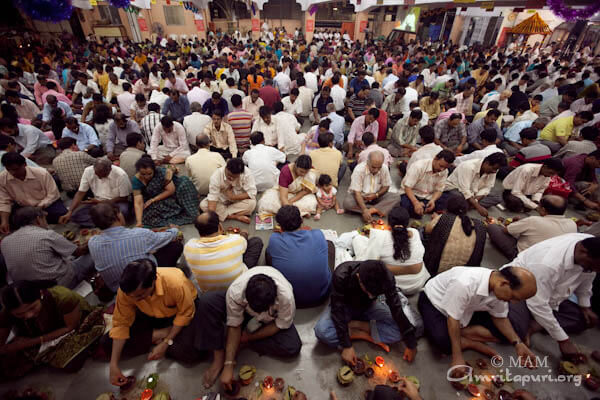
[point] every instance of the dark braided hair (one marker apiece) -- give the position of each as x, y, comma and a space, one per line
398, 220
458, 206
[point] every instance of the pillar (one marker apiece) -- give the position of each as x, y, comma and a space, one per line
360, 24
457, 28
203, 33
309, 26
256, 25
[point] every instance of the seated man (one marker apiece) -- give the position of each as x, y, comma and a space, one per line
360, 125
160, 306
117, 245
488, 140
232, 192
465, 307
108, 183
556, 134
450, 133
116, 142
84, 135
260, 314
217, 258
525, 185
580, 173
562, 266
355, 313
475, 130
174, 148
428, 149
513, 140
134, 151
203, 164
405, 135
221, 136
368, 191
262, 161
423, 184
22, 186
589, 135
329, 160
268, 126
177, 107
34, 144
475, 179
372, 146
35, 252
304, 258
70, 164
521, 234
8, 145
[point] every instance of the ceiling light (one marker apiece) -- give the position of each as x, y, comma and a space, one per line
335, 8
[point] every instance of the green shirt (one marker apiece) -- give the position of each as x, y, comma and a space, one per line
562, 127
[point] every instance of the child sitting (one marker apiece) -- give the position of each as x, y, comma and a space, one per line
326, 196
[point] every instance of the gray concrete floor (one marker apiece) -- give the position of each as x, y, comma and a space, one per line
314, 370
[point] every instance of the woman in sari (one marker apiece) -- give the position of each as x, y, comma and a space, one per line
297, 186
53, 326
161, 197
399, 247
453, 238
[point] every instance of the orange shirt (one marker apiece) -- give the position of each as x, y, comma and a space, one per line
255, 85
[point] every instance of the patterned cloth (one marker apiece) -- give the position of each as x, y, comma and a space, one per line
180, 209
449, 136
69, 166
241, 124
149, 122
423, 181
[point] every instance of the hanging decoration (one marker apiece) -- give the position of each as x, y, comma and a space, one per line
313, 9
46, 10
119, 3
191, 7
132, 9
253, 8
560, 9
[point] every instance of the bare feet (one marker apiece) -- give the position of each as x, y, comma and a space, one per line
212, 373
477, 346
242, 218
159, 334
358, 334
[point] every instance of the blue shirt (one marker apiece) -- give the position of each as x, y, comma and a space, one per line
177, 110
512, 133
27, 161
337, 127
47, 110
85, 138
357, 85
301, 257
116, 247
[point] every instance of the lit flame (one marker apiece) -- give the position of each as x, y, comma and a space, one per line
379, 361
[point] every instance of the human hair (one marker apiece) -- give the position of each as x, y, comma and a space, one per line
325, 139
277, 107
263, 111
257, 138
497, 158
447, 155
133, 138
261, 292
374, 113
592, 246
7, 122
12, 158
235, 165
494, 112
373, 275
145, 162
304, 162
6, 141
458, 206
398, 220
595, 154
493, 105
208, 227
528, 133
289, 218
455, 116
104, 215
589, 133
138, 274
509, 274
324, 179
586, 115
154, 107
555, 205
166, 121
19, 293
126, 86
427, 134
139, 97
489, 135
202, 141
451, 103
368, 139
218, 113
66, 142
236, 100
554, 164
416, 114
26, 216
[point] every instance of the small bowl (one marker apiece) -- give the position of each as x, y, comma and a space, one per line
394, 377
504, 395
369, 372
279, 384
359, 367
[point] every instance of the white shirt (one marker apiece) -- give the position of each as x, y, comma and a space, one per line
158, 97
478, 154
467, 179
579, 105
292, 108
337, 127
194, 125
306, 97
228, 94
271, 131
557, 276
338, 95
282, 311
198, 95
80, 88
125, 100
427, 151
262, 162
363, 181
428, 77
253, 107
312, 81
461, 291
116, 184
525, 180
283, 82
288, 139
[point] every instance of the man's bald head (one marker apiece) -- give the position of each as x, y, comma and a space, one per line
553, 204
513, 283
375, 162
375, 156
207, 224
202, 141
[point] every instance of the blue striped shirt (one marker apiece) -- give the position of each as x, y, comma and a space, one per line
118, 246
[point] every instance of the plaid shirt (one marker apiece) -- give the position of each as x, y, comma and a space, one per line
449, 136
69, 166
463, 105
148, 124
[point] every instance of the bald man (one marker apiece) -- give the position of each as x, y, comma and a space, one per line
466, 307
522, 234
368, 192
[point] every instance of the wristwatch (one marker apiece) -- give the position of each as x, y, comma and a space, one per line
169, 342
516, 342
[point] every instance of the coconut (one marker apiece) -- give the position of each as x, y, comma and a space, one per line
345, 375
568, 368
247, 373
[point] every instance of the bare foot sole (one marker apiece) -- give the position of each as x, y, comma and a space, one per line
211, 374
361, 335
242, 218
478, 346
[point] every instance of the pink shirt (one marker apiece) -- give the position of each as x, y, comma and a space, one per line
38, 90
447, 114
363, 156
179, 85
358, 129
59, 96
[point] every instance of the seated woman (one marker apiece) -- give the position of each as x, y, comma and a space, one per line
39, 313
453, 238
162, 198
297, 186
399, 247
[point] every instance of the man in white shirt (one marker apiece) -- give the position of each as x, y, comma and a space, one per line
230, 91
174, 148
312, 82
126, 99
84, 84
203, 164
282, 82
306, 96
291, 104
252, 104
197, 95
429, 148
108, 183
338, 94
474, 179
268, 126
262, 162
562, 266
159, 97
336, 125
115, 87
466, 307
195, 123
288, 139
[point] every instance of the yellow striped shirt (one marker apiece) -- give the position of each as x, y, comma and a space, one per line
216, 261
